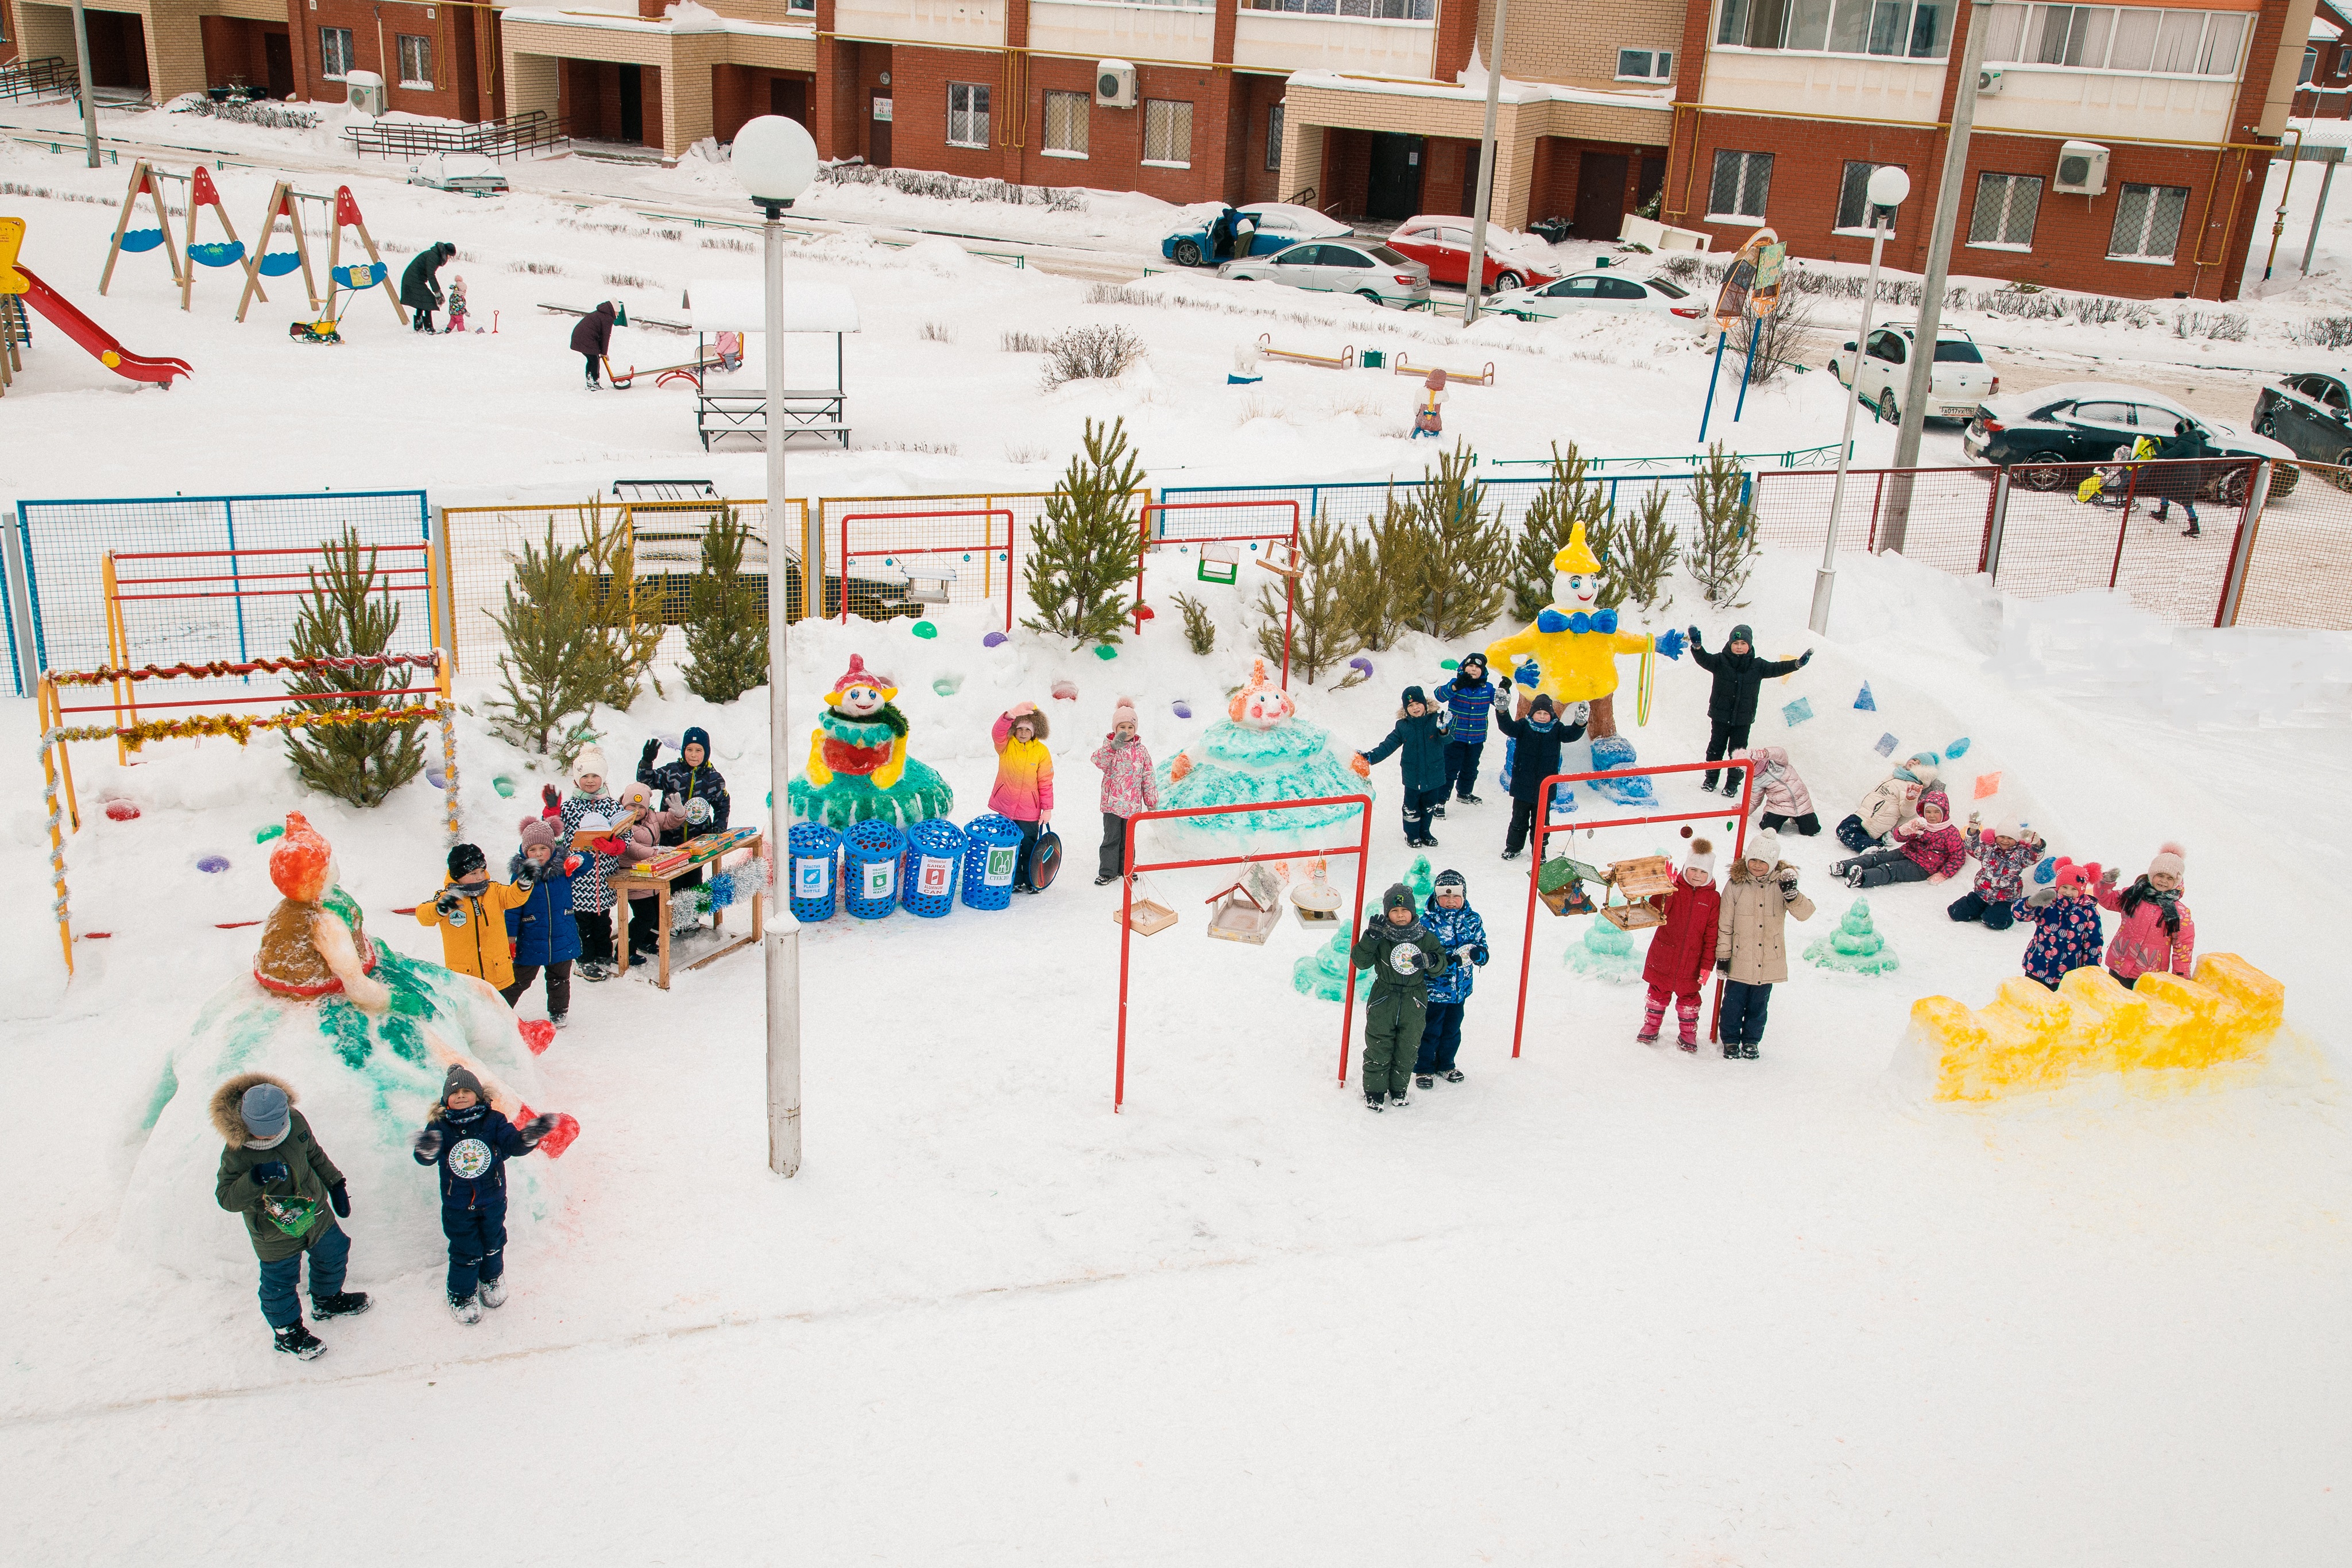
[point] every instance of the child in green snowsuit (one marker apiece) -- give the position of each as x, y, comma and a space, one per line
1402, 954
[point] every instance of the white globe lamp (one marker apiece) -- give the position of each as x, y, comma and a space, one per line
1888, 186
774, 159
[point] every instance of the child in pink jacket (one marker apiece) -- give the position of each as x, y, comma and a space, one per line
1128, 788
1024, 784
2155, 935
1928, 848
1787, 801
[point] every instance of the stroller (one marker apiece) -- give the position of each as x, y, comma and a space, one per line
2111, 486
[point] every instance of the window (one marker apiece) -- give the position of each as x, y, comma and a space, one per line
1066, 123
1887, 346
335, 53
1576, 289
1742, 181
967, 114
1916, 29
2148, 223
1382, 10
1956, 351
1300, 255
2117, 38
1273, 137
415, 61
2005, 210
1645, 64
1667, 287
1622, 288
1854, 212
1168, 132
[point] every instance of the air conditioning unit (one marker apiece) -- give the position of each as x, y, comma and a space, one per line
1115, 84
1988, 80
365, 91
2081, 168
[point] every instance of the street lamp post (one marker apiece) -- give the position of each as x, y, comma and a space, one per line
1888, 186
1484, 202
775, 160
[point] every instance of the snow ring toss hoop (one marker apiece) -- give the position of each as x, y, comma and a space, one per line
991, 849
927, 874
869, 871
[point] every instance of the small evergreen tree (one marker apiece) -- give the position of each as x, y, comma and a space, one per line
1378, 569
1321, 632
1642, 552
346, 616
1724, 553
1082, 555
1200, 627
727, 625
557, 667
1460, 552
1544, 532
630, 629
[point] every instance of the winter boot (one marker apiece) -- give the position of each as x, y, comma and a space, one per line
1437, 811
2191, 532
1707, 781
493, 1292
1424, 1081
1105, 881
1648, 1035
1426, 841
1400, 1099
1730, 1051
298, 1341
561, 1020
341, 1304
1452, 1075
1731, 789
1375, 1103
1689, 1046
467, 1309
1470, 800
1748, 1050
1513, 854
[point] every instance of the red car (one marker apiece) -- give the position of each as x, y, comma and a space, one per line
1443, 245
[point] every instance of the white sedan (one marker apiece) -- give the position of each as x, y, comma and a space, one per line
1373, 271
1605, 289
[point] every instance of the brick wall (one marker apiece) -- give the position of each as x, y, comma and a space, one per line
738, 93
1576, 42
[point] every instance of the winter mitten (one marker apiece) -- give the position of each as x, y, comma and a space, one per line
2108, 877
1694, 638
2042, 898
1723, 965
449, 903
645, 757
270, 1171
1804, 658
607, 847
428, 1142
527, 873
341, 1196
552, 802
536, 1128
571, 865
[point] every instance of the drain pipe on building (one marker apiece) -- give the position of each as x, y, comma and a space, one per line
1477, 273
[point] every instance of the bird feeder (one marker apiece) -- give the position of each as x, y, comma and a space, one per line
1247, 911
929, 584
1147, 913
1282, 561
1636, 881
1317, 902
1220, 563
1560, 884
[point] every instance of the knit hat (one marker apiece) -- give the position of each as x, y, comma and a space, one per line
461, 1077
466, 858
637, 793
2073, 873
298, 863
2007, 828
695, 735
1036, 719
1701, 857
1398, 897
1919, 767
1741, 634
1543, 704
264, 1111
2170, 859
537, 830
1470, 659
590, 761
1766, 847
1450, 878
1415, 695
1122, 711
1436, 381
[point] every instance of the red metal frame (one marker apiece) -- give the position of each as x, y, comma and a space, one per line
1362, 850
847, 554
1544, 827
241, 578
1289, 584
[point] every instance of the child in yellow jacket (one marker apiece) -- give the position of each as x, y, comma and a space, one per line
471, 913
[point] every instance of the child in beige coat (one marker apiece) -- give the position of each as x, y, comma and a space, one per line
1751, 949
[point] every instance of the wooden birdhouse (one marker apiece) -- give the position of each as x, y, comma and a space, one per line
1246, 911
1560, 884
1280, 558
1636, 881
929, 584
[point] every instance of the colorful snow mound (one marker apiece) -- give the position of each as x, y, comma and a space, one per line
1236, 764
2030, 1037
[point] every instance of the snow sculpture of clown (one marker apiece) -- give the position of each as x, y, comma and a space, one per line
1261, 751
858, 768
1574, 646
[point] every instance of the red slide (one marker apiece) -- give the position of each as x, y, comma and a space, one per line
101, 342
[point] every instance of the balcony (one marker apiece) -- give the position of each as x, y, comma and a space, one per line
1109, 30
949, 23
1340, 36
1796, 81
2056, 101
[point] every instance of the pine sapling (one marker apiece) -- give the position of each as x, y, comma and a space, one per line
347, 615
630, 626
1640, 553
557, 667
1200, 627
726, 625
1322, 634
1544, 532
1724, 552
1462, 552
1082, 553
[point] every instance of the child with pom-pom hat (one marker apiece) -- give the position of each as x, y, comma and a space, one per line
1682, 950
2067, 935
2156, 934
1128, 788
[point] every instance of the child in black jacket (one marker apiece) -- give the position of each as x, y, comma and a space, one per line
471, 1143
1535, 758
1421, 731
1739, 676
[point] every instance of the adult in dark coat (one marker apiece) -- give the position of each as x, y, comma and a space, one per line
1535, 758
420, 290
1740, 676
2181, 484
591, 338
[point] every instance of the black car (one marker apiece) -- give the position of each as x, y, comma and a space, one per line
2085, 422
2311, 414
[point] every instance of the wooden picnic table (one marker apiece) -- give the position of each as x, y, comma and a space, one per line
621, 881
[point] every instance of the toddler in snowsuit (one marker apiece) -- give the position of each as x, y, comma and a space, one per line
1128, 788
1739, 676
1540, 738
1750, 948
591, 899
457, 305
1787, 801
471, 1143
1024, 784
2155, 935
690, 790
1457, 927
1420, 734
1928, 848
1403, 955
2004, 857
1468, 698
637, 839
273, 1172
2066, 933
540, 928
470, 910
1889, 805
1681, 950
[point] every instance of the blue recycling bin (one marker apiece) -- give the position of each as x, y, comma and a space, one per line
815, 856
992, 851
869, 869
927, 872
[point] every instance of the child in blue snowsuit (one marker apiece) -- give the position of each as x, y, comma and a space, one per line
1452, 922
1468, 698
2067, 935
541, 929
472, 1143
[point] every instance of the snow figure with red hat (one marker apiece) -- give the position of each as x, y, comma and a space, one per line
1261, 751
1574, 647
858, 769
363, 1036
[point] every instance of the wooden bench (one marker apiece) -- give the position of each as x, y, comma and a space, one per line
816, 411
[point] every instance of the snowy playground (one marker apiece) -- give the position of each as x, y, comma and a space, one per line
1096, 1254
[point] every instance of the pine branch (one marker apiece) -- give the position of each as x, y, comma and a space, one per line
727, 626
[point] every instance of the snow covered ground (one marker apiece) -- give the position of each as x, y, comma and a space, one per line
1602, 1303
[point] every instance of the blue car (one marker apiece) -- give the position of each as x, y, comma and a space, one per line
1213, 233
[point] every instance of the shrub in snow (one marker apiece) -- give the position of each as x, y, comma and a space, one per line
1322, 634
727, 625
1200, 628
1724, 553
1090, 353
1082, 553
345, 617
1022, 342
556, 667
2221, 326
1544, 529
2322, 333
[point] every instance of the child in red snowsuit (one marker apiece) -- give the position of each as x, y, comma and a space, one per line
1683, 949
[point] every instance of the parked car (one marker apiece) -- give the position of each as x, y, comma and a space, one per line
1956, 383
2085, 422
1212, 234
1443, 245
2312, 414
1608, 288
1374, 271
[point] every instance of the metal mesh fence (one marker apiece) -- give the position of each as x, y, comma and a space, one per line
2299, 560
1351, 504
980, 541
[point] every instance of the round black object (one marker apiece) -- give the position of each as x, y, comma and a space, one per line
1045, 860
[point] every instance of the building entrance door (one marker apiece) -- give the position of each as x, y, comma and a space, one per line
1600, 195
1394, 190
878, 133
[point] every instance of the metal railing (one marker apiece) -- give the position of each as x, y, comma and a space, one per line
512, 135
38, 79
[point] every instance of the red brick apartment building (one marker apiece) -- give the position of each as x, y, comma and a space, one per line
2117, 148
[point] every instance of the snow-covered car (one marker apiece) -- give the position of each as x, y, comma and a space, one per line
1608, 288
1214, 233
470, 174
1443, 245
1374, 271
2311, 412
1956, 383
2035, 433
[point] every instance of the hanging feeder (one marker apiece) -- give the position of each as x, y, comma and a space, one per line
1247, 911
1636, 881
1220, 563
1148, 913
